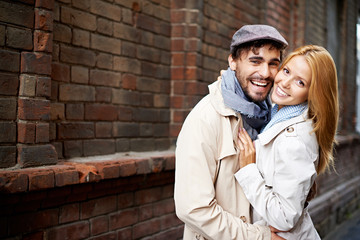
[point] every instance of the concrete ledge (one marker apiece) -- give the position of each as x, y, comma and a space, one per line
333, 207
85, 170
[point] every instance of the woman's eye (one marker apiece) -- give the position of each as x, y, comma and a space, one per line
285, 70
301, 83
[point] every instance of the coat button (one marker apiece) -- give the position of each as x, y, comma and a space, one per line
290, 129
197, 236
243, 218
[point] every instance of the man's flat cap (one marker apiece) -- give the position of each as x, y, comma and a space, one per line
249, 33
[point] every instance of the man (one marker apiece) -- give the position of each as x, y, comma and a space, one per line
207, 197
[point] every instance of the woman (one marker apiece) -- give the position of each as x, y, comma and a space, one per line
295, 145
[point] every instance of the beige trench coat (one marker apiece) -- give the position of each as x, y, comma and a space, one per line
208, 198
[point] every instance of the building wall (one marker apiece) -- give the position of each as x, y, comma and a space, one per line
93, 94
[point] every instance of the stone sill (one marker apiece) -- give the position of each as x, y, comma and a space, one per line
85, 170
97, 168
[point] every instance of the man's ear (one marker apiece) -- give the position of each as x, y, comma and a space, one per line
232, 63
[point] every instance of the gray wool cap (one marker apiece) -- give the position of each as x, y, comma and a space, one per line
249, 33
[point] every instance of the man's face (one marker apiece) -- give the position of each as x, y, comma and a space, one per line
256, 71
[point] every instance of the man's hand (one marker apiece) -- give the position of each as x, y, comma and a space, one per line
274, 236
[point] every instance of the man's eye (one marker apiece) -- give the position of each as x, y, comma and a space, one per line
285, 70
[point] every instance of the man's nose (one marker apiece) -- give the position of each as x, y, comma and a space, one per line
264, 71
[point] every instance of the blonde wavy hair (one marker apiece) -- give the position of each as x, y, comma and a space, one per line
322, 100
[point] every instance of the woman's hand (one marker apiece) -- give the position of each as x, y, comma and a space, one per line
274, 236
247, 150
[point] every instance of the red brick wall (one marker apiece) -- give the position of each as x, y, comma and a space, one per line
110, 77
123, 208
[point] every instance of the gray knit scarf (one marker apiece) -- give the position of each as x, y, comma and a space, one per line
256, 115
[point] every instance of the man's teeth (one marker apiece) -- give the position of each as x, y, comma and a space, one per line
281, 92
260, 83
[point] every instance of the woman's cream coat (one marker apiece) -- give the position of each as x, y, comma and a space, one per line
208, 198
278, 185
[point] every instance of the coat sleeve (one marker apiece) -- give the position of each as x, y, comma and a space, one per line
282, 203
194, 194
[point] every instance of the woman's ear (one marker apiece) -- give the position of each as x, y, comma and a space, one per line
232, 63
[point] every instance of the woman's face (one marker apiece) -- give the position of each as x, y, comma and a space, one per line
292, 83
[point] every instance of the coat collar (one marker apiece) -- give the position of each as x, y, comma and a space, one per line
217, 100
271, 133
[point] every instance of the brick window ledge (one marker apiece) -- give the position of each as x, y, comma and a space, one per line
85, 170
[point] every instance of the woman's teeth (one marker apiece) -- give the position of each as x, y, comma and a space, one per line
281, 92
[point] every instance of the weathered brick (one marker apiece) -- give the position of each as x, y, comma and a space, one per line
43, 87
103, 94
123, 218
99, 147
98, 207
73, 149
125, 113
44, 19
78, 18
39, 63
85, 5
66, 177
77, 56
9, 61
75, 111
76, 130
49, 4
36, 155
146, 228
146, 115
26, 132
33, 109
106, 44
62, 33
121, 129
60, 72
122, 145
72, 92
105, 9
103, 129
120, 96
99, 225
142, 145
43, 41
41, 180
105, 78
104, 60
81, 38
18, 14
130, 65
129, 49
104, 26
2, 35
8, 132
42, 133
79, 74
24, 222
126, 32
9, 84
69, 213
102, 112
7, 108
161, 101
7, 156
76, 230
57, 111
129, 81
19, 38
